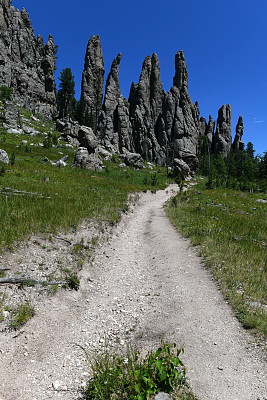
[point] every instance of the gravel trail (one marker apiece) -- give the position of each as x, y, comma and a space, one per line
146, 283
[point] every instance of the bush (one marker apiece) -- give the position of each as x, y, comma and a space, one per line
117, 376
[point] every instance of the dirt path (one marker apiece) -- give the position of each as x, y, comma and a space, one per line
146, 283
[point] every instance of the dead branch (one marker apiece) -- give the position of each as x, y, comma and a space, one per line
28, 280
64, 240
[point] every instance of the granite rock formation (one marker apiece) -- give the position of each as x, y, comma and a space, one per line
26, 64
92, 80
181, 116
146, 102
223, 138
108, 122
238, 143
151, 120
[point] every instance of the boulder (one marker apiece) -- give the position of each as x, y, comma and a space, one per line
87, 161
104, 153
4, 157
180, 168
87, 138
134, 159
189, 158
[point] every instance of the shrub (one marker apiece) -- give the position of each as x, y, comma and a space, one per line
117, 376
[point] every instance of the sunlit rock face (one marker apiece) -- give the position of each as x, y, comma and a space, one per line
26, 64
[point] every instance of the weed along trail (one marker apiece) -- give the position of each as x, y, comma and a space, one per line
146, 283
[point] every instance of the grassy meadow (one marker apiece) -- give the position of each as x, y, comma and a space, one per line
230, 229
60, 198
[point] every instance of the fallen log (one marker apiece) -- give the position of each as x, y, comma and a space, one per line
28, 280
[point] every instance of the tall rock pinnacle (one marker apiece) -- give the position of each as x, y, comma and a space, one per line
181, 75
108, 121
181, 116
223, 137
238, 143
146, 100
93, 79
26, 65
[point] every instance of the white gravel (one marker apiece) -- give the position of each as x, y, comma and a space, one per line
146, 283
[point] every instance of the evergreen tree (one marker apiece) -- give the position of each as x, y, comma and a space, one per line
65, 96
250, 150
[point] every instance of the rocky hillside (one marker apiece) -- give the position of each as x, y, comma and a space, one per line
26, 64
151, 123
151, 119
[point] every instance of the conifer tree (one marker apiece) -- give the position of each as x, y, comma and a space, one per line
65, 96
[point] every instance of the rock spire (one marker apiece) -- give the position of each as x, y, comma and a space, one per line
26, 64
93, 80
238, 143
223, 137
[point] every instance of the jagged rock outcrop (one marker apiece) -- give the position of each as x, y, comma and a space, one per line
93, 80
151, 123
181, 116
124, 126
146, 102
26, 64
238, 143
108, 121
223, 138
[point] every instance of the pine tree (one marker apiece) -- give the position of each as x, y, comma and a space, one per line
65, 96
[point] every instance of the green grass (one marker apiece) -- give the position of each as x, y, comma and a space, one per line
230, 228
62, 197
21, 315
129, 376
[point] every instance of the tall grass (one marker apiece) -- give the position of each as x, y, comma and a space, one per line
230, 228
59, 198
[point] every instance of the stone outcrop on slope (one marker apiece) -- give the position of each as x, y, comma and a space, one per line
93, 79
26, 64
223, 138
238, 143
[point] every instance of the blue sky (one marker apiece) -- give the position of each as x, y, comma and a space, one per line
224, 42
